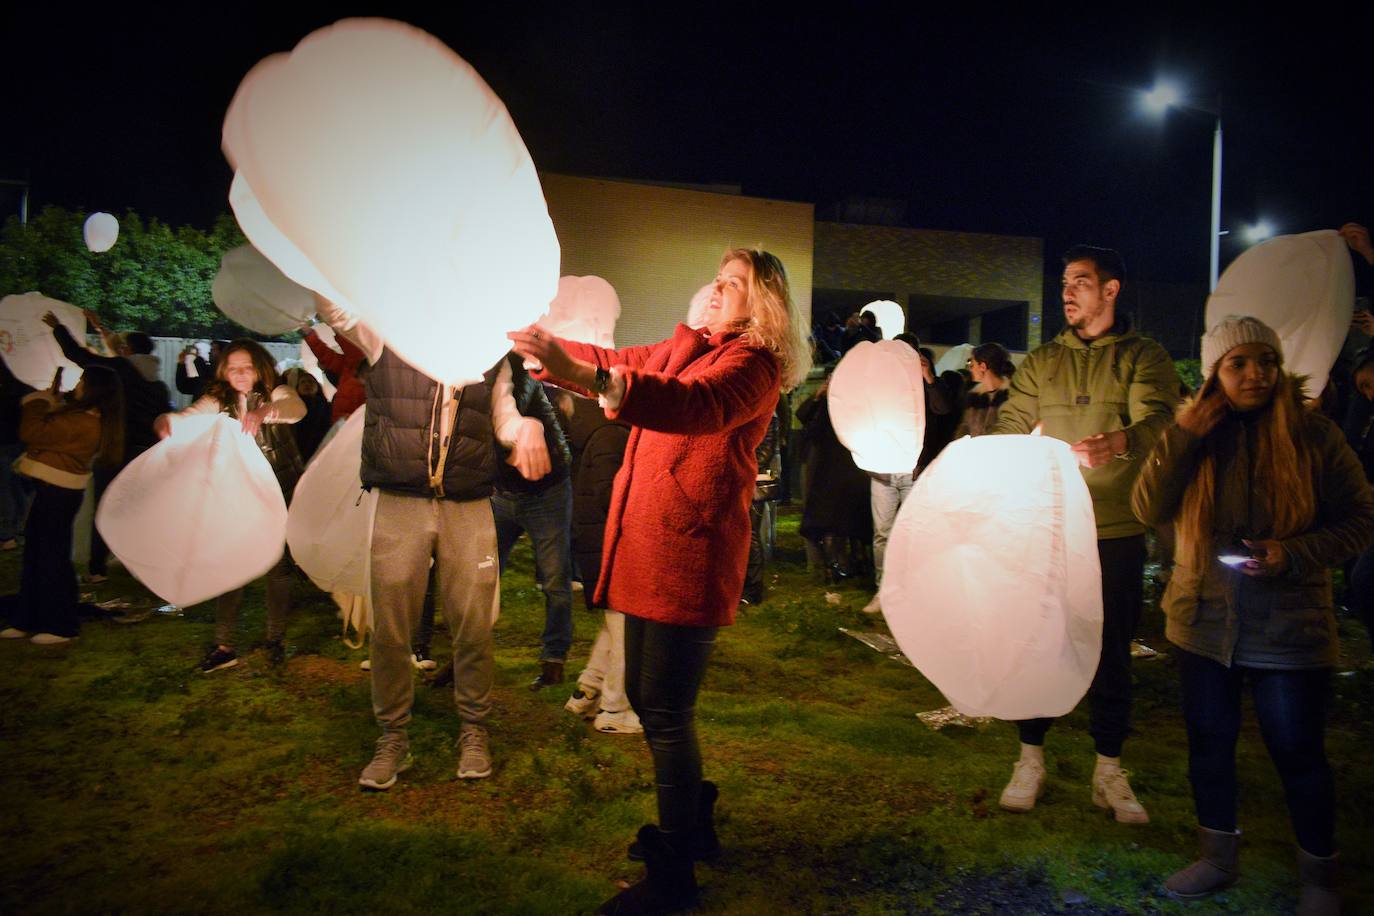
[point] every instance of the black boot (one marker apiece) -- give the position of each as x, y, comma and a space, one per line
669, 885
702, 841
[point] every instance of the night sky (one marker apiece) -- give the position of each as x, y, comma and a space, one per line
990, 121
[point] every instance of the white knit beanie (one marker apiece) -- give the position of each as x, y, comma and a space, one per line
1231, 332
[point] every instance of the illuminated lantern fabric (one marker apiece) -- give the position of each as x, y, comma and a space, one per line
878, 405
992, 585
197, 515
312, 365
1303, 287
585, 309
374, 166
100, 231
27, 343
696, 309
891, 317
955, 358
254, 293
329, 527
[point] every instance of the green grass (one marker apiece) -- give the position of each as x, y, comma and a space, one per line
132, 784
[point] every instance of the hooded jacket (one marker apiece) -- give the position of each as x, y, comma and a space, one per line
1285, 621
1078, 388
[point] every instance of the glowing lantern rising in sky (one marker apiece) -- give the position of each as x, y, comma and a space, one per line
198, 514
374, 166
878, 406
100, 232
891, 317
992, 585
27, 343
254, 293
1303, 287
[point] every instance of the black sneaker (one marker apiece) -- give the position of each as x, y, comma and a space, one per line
218, 658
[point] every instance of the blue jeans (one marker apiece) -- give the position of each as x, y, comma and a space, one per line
546, 517
1291, 708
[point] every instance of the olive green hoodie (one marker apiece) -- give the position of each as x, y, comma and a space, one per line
1078, 388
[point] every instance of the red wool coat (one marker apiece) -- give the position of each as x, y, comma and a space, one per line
677, 535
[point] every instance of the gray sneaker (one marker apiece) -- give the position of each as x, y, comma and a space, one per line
391, 758
474, 759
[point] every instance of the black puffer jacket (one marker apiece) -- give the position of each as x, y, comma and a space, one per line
531, 401
402, 447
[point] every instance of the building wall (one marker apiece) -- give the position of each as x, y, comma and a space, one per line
932, 263
658, 245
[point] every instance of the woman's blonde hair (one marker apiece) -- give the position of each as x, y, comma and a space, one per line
1281, 481
774, 321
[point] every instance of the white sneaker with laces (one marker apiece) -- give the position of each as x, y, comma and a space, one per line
624, 722
391, 758
583, 701
1026, 786
474, 757
1112, 790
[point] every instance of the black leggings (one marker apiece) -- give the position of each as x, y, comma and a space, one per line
664, 665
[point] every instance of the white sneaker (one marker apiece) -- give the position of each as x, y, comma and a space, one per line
576, 586
424, 663
583, 701
625, 722
874, 606
50, 639
365, 664
13, 633
1112, 790
1026, 786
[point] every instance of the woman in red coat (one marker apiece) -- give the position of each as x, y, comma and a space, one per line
677, 535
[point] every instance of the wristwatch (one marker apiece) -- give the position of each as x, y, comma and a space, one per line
602, 381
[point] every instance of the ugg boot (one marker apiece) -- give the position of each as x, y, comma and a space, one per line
703, 843
1321, 876
670, 885
1216, 868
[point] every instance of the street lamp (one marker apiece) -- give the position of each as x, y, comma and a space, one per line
1157, 101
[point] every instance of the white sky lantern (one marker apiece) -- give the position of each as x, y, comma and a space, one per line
955, 358
374, 166
198, 514
993, 587
891, 317
878, 405
312, 365
330, 523
254, 293
585, 309
27, 343
100, 232
1303, 287
696, 309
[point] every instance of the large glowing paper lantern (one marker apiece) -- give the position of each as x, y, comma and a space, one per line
696, 309
375, 167
993, 587
585, 309
254, 293
312, 365
1303, 287
27, 343
954, 359
878, 405
198, 514
100, 231
891, 317
329, 527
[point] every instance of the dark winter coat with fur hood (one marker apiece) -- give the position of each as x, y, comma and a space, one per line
677, 535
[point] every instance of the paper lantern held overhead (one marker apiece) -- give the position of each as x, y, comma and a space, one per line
1303, 287
891, 317
27, 343
100, 232
329, 527
696, 309
374, 166
992, 585
585, 309
954, 359
878, 405
254, 293
198, 514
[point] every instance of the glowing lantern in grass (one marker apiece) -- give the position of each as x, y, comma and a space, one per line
585, 309
954, 359
100, 232
374, 166
329, 527
992, 585
696, 309
1303, 287
254, 293
891, 317
312, 365
198, 514
878, 405
27, 344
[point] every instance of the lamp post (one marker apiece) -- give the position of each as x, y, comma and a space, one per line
1157, 101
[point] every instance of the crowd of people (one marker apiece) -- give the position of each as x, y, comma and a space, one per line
645, 473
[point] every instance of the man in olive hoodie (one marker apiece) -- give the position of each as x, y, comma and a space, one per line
1109, 393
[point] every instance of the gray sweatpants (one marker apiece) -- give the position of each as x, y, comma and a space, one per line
461, 537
